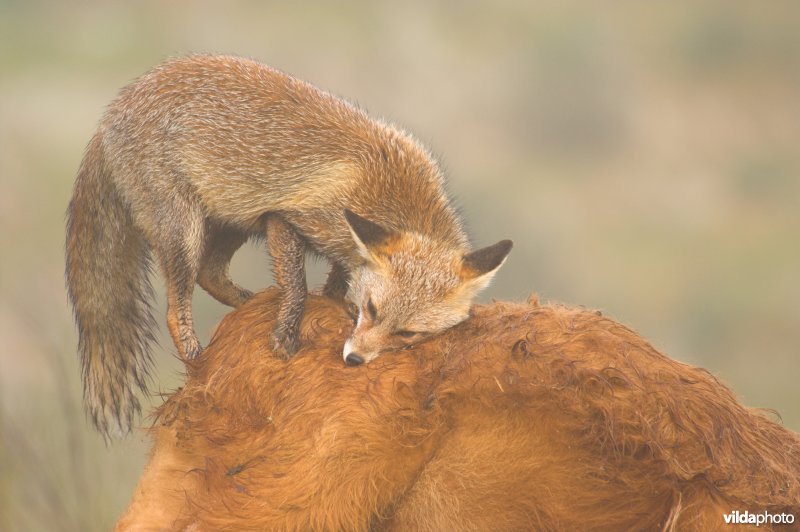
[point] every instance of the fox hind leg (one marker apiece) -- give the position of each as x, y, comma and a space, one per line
178, 247
221, 243
287, 249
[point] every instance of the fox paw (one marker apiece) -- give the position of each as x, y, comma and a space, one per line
192, 348
283, 344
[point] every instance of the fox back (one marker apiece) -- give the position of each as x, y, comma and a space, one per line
241, 139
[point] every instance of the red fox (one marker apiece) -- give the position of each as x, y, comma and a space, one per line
204, 152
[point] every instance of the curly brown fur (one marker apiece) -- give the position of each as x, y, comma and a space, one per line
523, 417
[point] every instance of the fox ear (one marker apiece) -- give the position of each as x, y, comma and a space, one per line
372, 239
478, 267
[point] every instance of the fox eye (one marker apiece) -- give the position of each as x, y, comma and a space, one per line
405, 334
373, 312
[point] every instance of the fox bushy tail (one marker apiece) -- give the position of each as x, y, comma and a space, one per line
107, 274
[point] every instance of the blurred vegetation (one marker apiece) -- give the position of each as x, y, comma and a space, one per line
643, 156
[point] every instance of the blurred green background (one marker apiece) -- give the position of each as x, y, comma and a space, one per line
643, 156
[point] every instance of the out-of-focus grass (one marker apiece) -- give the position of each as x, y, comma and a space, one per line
643, 156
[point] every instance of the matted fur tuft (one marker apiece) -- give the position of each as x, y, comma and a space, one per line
523, 417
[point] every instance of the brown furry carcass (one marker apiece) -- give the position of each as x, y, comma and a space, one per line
524, 417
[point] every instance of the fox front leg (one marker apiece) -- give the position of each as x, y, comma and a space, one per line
336, 288
337, 283
287, 249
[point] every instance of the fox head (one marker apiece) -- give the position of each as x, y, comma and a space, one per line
411, 287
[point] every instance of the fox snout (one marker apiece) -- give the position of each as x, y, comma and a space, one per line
367, 341
355, 353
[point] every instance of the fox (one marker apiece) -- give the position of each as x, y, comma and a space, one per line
205, 152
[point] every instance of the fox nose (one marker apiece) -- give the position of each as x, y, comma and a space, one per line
352, 359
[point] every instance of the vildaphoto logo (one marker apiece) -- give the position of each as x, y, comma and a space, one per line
764, 518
